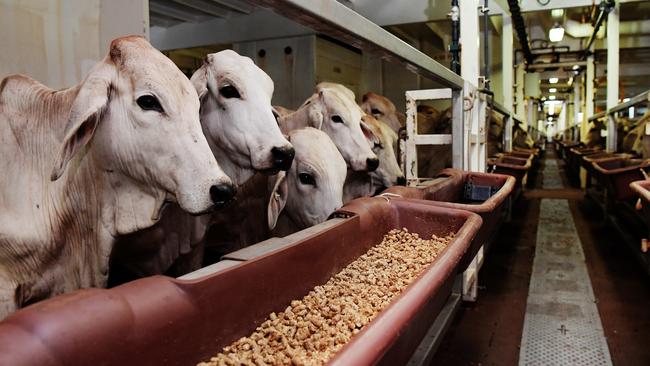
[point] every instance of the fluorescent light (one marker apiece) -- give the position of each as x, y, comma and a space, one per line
630, 113
575, 67
556, 33
553, 80
550, 119
557, 13
626, 100
551, 97
552, 90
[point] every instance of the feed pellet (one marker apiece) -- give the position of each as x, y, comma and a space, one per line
310, 331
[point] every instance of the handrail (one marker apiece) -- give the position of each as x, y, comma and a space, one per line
643, 97
346, 25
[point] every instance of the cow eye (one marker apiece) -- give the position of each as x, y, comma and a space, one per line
229, 91
378, 146
375, 111
276, 115
149, 103
337, 119
307, 179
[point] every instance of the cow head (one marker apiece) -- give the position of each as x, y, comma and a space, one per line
138, 117
382, 109
333, 112
238, 118
313, 188
381, 137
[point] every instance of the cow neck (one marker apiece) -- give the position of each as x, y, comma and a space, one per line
301, 118
235, 171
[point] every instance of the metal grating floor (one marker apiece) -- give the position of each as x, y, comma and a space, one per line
562, 325
551, 176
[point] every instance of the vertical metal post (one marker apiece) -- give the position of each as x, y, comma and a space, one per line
454, 47
411, 164
577, 104
457, 129
519, 108
589, 96
506, 61
612, 72
486, 44
470, 68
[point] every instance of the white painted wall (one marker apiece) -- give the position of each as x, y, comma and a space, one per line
55, 42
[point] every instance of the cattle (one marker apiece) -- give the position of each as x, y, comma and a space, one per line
495, 135
360, 184
312, 189
242, 131
333, 112
303, 196
383, 109
93, 162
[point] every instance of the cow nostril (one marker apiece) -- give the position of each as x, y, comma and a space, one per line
222, 194
372, 163
283, 157
401, 181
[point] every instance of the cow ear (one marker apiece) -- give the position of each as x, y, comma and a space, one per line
86, 112
316, 118
278, 199
200, 80
370, 135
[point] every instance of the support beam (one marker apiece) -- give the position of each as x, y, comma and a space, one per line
577, 103
506, 62
519, 85
612, 72
589, 96
470, 70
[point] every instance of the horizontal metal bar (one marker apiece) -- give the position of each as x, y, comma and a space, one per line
556, 64
432, 139
643, 97
429, 94
597, 116
500, 108
344, 24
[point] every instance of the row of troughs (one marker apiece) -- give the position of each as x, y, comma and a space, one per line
115, 179
616, 182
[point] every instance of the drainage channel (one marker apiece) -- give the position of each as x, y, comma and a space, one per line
561, 325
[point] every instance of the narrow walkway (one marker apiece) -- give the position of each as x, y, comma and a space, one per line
562, 326
490, 331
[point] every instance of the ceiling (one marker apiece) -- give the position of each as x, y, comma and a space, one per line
166, 13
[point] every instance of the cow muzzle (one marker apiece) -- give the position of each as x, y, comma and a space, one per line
222, 194
283, 157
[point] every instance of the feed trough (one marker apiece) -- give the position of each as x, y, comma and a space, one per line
617, 174
483, 193
515, 167
165, 321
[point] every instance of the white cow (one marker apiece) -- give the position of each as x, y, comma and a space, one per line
86, 164
244, 136
333, 112
303, 196
312, 189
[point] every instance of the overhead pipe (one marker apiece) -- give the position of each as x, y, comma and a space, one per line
454, 47
605, 7
520, 26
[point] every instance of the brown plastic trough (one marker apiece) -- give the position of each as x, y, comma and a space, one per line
164, 321
617, 174
642, 189
574, 161
512, 166
482, 193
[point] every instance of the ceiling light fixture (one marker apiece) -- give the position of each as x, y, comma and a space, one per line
557, 13
552, 90
553, 80
556, 33
551, 97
